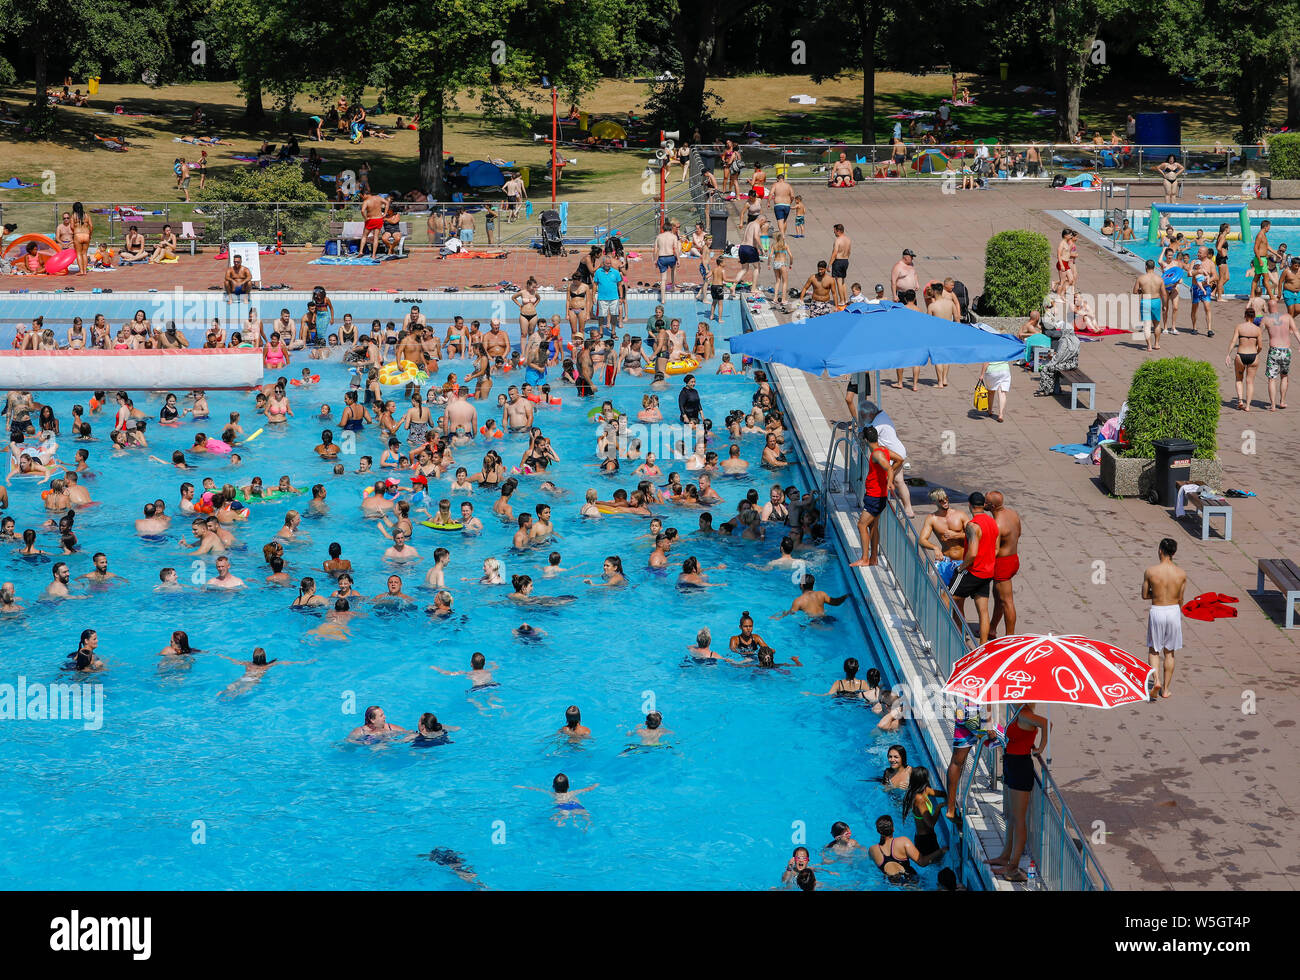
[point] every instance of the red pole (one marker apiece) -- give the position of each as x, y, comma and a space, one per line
555, 126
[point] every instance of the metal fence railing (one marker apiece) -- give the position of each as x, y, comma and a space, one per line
1063, 856
996, 160
216, 222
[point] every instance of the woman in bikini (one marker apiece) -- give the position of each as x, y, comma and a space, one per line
527, 299
166, 247
277, 407
416, 421
455, 339
703, 347
82, 229
275, 354
76, 335
899, 773
578, 306
1171, 171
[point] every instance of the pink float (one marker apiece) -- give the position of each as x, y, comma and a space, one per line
58, 264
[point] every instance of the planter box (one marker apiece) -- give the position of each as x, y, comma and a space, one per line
1285, 190
1004, 324
1133, 477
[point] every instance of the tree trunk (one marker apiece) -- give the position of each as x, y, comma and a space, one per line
431, 108
40, 72
869, 16
1293, 92
695, 75
254, 111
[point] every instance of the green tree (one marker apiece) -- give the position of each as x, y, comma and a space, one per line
85, 37
1234, 46
269, 46
842, 40
426, 56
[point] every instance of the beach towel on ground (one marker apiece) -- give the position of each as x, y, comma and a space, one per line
13, 184
1075, 449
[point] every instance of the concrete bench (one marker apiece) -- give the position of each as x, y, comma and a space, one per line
1078, 382
403, 228
1286, 576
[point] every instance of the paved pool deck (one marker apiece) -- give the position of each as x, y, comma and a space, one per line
1192, 792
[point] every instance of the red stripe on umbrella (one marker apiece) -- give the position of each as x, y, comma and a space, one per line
1050, 669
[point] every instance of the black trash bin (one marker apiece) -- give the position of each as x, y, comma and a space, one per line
1173, 463
718, 217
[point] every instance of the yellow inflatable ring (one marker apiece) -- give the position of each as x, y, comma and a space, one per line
685, 366
401, 373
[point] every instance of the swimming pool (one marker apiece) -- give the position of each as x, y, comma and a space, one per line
1285, 230
183, 787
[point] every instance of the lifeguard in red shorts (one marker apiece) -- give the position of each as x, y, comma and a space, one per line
1006, 564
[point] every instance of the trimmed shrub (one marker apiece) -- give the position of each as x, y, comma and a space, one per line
1173, 398
254, 207
278, 182
1284, 156
1016, 273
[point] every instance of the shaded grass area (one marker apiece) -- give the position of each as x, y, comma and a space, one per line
84, 170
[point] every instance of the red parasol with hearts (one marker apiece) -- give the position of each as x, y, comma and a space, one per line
1075, 670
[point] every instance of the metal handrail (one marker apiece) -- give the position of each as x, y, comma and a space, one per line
810, 161
947, 637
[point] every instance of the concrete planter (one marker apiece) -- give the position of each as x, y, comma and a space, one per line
1133, 477
1284, 190
1004, 324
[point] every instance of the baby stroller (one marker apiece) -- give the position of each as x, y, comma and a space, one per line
552, 240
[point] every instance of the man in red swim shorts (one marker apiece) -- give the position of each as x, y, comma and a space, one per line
1006, 564
373, 207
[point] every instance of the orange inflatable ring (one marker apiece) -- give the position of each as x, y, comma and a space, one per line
495, 434
45, 240
314, 379
555, 400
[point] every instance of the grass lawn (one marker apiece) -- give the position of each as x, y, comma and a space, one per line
85, 171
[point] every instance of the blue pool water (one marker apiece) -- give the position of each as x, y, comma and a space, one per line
1285, 230
184, 787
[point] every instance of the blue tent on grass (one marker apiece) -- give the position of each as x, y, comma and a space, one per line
480, 173
875, 337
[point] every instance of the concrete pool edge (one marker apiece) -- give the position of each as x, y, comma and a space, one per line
882, 603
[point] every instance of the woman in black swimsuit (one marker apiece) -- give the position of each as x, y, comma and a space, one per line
354, 416
347, 330
492, 471
1221, 259
919, 802
893, 855
747, 641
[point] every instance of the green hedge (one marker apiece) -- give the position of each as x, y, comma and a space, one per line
1016, 273
1284, 156
1173, 398
278, 182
